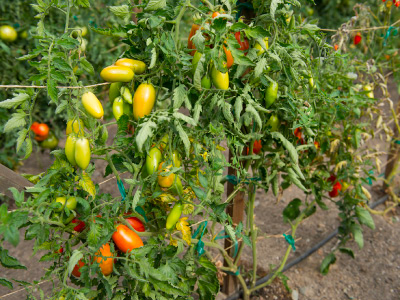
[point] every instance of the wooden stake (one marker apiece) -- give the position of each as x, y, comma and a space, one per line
394, 153
8, 178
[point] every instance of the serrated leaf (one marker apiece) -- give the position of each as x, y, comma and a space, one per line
21, 138
238, 107
136, 198
197, 111
75, 257
275, 185
347, 251
156, 5
87, 184
121, 11
296, 168
145, 132
364, 217
52, 89
288, 145
357, 234
199, 73
292, 210
61, 64
258, 70
9, 261
179, 96
183, 136
63, 105
273, 7
327, 262
87, 66
116, 32
184, 118
198, 40
16, 101
17, 120
293, 177
153, 58
251, 110
28, 148
6, 283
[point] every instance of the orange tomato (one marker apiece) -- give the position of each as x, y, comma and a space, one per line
136, 224
215, 14
195, 27
126, 239
229, 57
76, 271
256, 147
34, 126
165, 181
106, 264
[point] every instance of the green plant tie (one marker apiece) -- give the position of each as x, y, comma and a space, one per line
140, 211
121, 189
222, 236
234, 274
235, 181
290, 241
388, 32
16, 25
75, 17
397, 142
369, 178
200, 245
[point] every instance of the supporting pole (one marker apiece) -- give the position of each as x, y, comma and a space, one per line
393, 156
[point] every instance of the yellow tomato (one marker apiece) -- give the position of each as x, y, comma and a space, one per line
82, 153
137, 66
8, 33
143, 100
76, 126
220, 80
260, 49
92, 105
165, 181
117, 74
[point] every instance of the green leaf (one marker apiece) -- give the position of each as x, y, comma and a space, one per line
6, 283
87, 184
16, 101
136, 198
11, 234
275, 185
61, 64
87, 66
68, 43
184, 118
358, 235
156, 5
9, 261
52, 90
258, 70
292, 210
198, 40
199, 73
145, 132
75, 257
289, 147
17, 120
21, 138
293, 177
179, 96
256, 117
28, 147
327, 262
184, 137
82, 3
238, 107
347, 251
115, 32
364, 217
121, 11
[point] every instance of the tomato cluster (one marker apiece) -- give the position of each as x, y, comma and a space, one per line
336, 188
46, 138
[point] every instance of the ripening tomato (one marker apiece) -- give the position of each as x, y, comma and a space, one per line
259, 48
40, 138
81, 225
215, 14
153, 160
193, 31
42, 129
104, 257
165, 181
70, 149
137, 66
256, 147
126, 239
357, 38
174, 216
114, 90
243, 45
136, 224
220, 80
82, 153
92, 105
297, 133
8, 33
229, 57
345, 186
118, 108
271, 94
34, 126
206, 82
336, 47
75, 126
143, 100
71, 203
117, 74
77, 267
60, 251
316, 144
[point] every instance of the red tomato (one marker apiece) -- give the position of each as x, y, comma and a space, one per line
77, 267
41, 138
104, 259
61, 250
80, 225
316, 144
336, 47
136, 224
126, 239
357, 38
34, 126
334, 193
297, 133
243, 45
256, 147
42, 129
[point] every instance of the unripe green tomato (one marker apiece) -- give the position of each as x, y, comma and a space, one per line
23, 34
164, 142
70, 149
127, 109
75, 126
143, 100
153, 160
117, 74
114, 90
206, 82
368, 88
273, 123
137, 66
8, 33
311, 82
271, 94
259, 48
84, 30
174, 216
176, 159
126, 94
82, 153
220, 80
195, 61
83, 44
50, 142
71, 203
118, 108
92, 105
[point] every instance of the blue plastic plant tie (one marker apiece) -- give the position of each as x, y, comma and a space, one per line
75, 18
121, 189
140, 211
221, 236
16, 25
200, 243
234, 274
388, 32
290, 241
397, 142
369, 178
232, 179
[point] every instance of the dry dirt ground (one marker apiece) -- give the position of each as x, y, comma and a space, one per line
373, 275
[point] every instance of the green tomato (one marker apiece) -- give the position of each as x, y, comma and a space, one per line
70, 149
195, 60
82, 153
153, 160
206, 82
176, 158
71, 203
273, 123
114, 90
174, 216
118, 108
128, 110
220, 80
51, 142
271, 94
